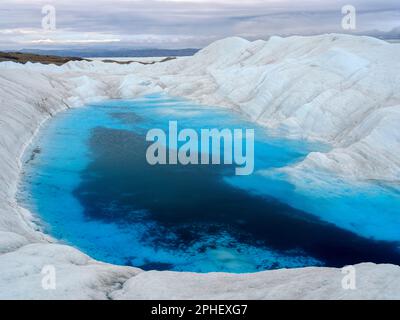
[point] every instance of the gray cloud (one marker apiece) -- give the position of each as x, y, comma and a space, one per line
183, 23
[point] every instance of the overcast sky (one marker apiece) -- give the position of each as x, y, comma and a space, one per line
181, 23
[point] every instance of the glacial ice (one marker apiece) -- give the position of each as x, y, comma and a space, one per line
339, 89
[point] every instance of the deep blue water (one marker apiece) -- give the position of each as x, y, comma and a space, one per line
87, 178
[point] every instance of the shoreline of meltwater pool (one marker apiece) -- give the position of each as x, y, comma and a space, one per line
138, 222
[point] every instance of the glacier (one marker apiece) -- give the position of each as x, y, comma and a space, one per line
338, 89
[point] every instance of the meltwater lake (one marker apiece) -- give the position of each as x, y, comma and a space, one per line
87, 180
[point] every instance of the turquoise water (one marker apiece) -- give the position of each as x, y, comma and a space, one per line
87, 178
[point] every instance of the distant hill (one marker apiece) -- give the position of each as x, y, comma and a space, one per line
29, 57
21, 57
120, 53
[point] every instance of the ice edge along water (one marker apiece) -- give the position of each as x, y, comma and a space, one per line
343, 90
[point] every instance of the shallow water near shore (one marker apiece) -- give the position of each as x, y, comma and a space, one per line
87, 178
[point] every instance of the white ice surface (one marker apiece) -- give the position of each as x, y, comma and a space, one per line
343, 90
